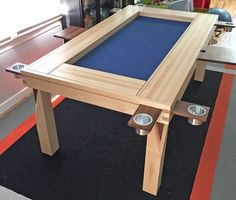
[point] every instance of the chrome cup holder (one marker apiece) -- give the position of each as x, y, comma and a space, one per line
197, 111
16, 69
142, 119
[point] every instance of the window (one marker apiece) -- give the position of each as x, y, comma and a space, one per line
17, 15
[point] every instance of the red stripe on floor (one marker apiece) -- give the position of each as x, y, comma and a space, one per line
206, 170
18, 132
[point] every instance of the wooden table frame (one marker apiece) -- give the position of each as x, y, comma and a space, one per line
54, 73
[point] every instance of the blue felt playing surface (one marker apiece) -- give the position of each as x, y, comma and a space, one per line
137, 49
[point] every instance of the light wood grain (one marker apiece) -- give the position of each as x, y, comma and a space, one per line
229, 5
85, 42
54, 74
46, 123
200, 70
177, 63
68, 88
154, 158
166, 14
167, 81
102, 81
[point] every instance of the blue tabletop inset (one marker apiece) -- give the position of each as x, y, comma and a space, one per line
137, 49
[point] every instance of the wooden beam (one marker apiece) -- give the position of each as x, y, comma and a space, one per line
46, 123
200, 70
154, 159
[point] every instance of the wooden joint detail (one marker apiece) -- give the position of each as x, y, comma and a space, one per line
160, 129
147, 110
181, 109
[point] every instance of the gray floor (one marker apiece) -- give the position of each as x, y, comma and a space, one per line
16, 116
6, 194
225, 177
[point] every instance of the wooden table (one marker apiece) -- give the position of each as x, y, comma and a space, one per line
90, 69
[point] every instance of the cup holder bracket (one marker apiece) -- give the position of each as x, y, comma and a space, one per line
144, 119
196, 114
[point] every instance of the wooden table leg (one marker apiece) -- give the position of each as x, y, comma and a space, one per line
154, 160
45, 122
200, 70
